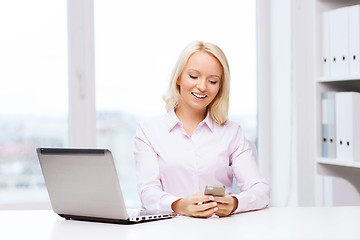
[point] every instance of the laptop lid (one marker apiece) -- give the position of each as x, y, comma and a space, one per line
82, 182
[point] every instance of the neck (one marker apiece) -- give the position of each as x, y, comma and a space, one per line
190, 115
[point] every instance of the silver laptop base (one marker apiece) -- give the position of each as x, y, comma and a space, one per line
131, 220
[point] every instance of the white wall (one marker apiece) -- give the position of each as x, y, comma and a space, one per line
276, 100
304, 98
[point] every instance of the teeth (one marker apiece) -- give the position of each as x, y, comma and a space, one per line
199, 96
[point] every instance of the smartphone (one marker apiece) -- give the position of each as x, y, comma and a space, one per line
218, 191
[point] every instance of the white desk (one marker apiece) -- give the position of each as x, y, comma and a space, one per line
273, 223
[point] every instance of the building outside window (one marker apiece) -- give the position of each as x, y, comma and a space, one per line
33, 94
137, 44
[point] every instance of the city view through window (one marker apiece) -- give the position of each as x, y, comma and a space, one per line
33, 93
135, 52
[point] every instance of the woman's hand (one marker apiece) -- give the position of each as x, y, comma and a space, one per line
226, 205
196, 205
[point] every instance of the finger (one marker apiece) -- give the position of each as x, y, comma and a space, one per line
205, 206
207, 213
227, 199
223, 210
224, 207
202, 198
221, 213
222, 200
202, 207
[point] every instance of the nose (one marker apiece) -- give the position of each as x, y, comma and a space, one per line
201, 84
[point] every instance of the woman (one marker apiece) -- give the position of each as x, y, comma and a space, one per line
194, 145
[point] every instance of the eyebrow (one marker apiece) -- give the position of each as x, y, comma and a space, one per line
213, 75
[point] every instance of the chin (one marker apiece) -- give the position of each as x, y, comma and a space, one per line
200, 108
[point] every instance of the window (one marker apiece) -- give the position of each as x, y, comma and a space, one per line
136, 46
33, 94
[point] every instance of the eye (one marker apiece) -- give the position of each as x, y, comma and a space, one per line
193, 76
213, 82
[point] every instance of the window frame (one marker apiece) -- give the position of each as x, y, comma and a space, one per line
81, 62
81, 80
81, 85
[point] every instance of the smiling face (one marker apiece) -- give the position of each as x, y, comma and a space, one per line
199, 82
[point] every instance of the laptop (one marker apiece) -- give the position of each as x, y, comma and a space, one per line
83, 185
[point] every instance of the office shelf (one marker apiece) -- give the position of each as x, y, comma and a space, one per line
336, 162
347, 170
338, 79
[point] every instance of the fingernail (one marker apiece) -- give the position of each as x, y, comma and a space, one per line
211, 198
214, 204
215, 209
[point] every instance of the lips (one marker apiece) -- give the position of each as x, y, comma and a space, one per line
198, 95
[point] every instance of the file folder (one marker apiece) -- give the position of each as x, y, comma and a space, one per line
324, 127
354, 40
348, 126
325, 44
328, 125
331, 124
339, 42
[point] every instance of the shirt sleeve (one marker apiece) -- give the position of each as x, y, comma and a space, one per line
149, 184
255, 191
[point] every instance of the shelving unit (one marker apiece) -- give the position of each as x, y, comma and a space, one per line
336, 162
337, 79
347, 170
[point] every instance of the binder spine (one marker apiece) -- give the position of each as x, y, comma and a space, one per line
348, 126
325, 44
324, 126
339, 42
331, 124
354, 39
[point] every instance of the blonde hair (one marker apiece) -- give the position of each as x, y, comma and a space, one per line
219, 107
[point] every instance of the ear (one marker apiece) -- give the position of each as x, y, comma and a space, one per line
178, 80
